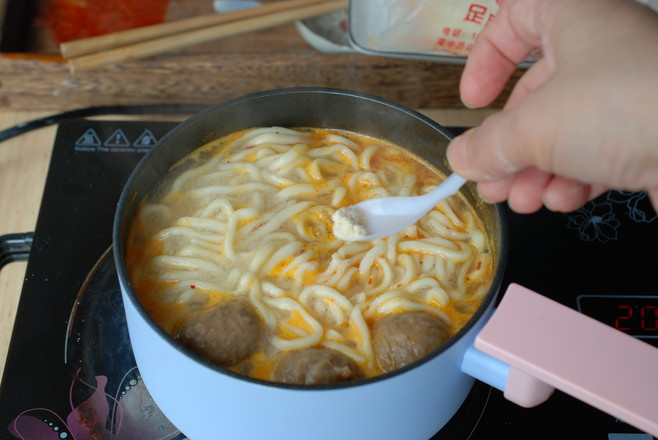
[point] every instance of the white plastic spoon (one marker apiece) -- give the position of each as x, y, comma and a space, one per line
378, 218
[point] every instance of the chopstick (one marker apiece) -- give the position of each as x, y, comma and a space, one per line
90, 53
86, 46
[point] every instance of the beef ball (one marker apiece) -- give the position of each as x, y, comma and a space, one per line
226, 335
403, 338
315, 366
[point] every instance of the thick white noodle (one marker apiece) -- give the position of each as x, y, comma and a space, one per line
259, 208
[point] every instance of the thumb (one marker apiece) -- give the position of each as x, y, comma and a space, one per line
488, 152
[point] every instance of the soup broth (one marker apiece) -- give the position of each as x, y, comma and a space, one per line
234, 255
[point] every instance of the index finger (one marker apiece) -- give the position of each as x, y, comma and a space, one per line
499, 49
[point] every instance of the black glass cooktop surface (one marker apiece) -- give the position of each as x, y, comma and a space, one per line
70, 372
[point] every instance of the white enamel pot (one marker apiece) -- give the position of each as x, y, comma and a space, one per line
527, 347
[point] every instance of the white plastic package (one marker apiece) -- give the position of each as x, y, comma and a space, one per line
430, 26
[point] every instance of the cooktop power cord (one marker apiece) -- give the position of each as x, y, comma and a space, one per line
146, 109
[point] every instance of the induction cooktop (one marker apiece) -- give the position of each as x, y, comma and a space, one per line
70, 372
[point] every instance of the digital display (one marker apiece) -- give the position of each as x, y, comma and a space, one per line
635, 315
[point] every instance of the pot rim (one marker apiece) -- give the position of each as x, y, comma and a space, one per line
127, 196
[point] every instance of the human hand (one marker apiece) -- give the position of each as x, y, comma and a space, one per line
581, 120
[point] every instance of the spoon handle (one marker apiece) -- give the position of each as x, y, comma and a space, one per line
383, 205
447, 188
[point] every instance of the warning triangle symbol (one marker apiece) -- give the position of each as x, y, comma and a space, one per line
146, 139
117, 139
89, 139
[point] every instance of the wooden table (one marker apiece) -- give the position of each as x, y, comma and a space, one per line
23, 167
216, 71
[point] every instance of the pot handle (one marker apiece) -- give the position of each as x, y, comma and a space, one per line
15, 247
533, 344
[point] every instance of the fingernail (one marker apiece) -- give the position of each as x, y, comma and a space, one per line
456, 154
467, 105
484, 199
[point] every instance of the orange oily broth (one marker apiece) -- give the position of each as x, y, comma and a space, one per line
315, 221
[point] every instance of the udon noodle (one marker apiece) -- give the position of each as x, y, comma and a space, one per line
248, 217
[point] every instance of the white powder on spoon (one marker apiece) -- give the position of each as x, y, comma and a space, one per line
348, 224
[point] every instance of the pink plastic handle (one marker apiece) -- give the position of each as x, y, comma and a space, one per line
549, 345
